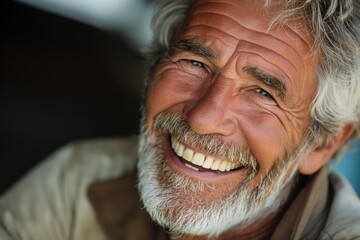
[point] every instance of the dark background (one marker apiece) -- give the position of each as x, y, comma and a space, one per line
60, 81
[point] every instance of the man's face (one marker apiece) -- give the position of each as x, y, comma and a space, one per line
227, 108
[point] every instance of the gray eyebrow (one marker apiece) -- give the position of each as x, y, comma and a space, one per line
195, 48
271, 81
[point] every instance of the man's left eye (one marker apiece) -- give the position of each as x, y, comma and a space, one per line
197, 63
264, 93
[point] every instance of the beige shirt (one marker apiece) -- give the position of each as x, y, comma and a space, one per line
86, 190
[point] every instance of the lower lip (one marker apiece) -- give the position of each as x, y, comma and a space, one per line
176, 163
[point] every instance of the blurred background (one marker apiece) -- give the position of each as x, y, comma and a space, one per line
71, 70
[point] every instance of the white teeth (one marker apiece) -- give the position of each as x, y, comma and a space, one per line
180, 149
200, 159
216, 164
223, 166
188, 154
192, 167
208, 162
173, 144
228, 167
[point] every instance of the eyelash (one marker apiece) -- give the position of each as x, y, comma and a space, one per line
194, 67
194, 63
197, 63
265, 94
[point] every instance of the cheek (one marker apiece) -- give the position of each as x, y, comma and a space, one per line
159, 97
169, 91
265, 135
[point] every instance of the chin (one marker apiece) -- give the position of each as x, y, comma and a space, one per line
188, 199
185, 205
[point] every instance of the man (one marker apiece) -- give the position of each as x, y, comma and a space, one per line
246, 103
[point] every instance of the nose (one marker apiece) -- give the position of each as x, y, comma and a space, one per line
211, 112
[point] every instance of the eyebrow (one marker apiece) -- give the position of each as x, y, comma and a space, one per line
195, 48
271, 81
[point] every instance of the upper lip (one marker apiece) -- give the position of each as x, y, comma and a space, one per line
201, 159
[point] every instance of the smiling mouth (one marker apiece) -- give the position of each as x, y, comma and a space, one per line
200, 162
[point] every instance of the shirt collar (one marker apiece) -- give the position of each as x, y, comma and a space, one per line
307, 212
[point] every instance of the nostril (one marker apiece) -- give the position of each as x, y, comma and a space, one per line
211, 121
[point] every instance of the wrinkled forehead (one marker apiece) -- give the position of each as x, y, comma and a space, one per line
254, 14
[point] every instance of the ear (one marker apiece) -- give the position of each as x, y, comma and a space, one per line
319, 156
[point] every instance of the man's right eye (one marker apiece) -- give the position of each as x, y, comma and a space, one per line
193, 66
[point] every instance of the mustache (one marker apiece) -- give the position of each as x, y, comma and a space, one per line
212, 144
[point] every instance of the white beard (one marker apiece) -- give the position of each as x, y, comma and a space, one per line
175, 203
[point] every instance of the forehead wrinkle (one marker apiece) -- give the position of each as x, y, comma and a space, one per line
302, 49
254, 66
291, 32
205, 28
202, 2
231, 9
217, 35
292, 72
261, 40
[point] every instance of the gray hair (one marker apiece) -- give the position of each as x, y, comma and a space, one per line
169, 14
334, 27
